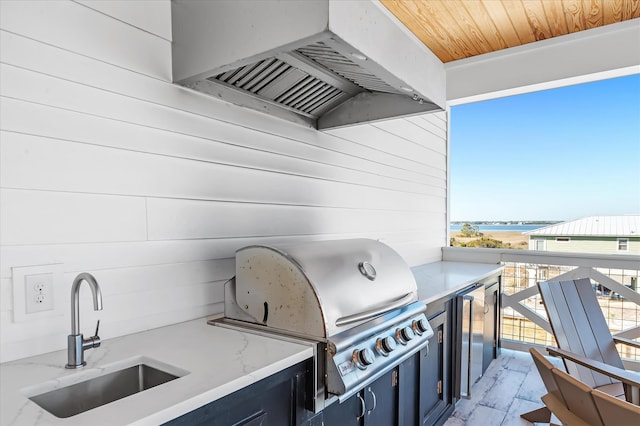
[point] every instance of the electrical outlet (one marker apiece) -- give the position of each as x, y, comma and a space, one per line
34, 291
38, 293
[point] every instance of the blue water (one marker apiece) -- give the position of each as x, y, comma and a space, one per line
489, 227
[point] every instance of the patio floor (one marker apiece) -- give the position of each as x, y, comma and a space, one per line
510, 386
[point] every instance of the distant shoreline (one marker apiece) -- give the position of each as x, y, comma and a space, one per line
506, 222
492, 227
517, 239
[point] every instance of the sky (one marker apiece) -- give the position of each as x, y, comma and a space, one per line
558, 154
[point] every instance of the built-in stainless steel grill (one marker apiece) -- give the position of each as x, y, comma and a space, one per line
355, 299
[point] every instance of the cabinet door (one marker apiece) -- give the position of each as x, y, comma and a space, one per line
271, 401
381, 400
348, 413
409, 390
375, 405
435, 373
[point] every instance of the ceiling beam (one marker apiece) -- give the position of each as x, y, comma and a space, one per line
596, 54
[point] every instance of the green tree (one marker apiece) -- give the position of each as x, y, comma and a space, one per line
488, 243
469, 230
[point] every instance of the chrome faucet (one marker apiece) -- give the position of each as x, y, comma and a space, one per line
76, 343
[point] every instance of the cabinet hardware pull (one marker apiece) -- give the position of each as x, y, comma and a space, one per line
362, 405
375, 401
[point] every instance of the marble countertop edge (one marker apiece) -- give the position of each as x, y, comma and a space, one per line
217, 362
443, 279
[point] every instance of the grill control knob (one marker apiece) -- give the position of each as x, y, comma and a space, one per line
385, 345
363, 357
404, 334
420, 326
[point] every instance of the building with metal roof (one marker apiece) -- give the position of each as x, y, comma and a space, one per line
593, 234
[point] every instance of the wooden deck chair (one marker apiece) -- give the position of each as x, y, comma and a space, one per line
583, 335
553, 399
614, 411
572, 402
577, 398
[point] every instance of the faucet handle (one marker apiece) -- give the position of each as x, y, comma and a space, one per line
93, 341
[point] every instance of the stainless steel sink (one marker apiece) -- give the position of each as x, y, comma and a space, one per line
86, 395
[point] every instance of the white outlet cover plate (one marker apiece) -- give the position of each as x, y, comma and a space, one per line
39, 293
18, 275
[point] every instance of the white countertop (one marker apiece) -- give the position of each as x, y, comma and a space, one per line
439, 279
218, 360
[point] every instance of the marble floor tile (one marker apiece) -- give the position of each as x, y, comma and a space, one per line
532, 387
504, 390
511, 386
519, 406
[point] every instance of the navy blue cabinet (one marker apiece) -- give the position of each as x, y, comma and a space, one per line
436, 401
436, 393
375, 405
419, 391
274, 401
347, 413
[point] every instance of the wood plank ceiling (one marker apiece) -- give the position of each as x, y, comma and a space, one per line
456, 29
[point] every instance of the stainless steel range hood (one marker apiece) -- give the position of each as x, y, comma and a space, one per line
322, 63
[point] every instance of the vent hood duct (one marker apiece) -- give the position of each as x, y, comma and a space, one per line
321, 63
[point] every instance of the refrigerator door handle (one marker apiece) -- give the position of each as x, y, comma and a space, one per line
470, 337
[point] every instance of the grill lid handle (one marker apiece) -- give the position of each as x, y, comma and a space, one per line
404, 300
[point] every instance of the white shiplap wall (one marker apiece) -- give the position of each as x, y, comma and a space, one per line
107, 167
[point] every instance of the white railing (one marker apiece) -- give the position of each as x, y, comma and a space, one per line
524, 322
